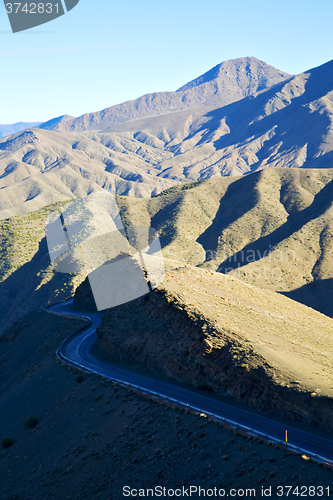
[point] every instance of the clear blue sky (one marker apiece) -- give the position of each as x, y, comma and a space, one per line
107, 51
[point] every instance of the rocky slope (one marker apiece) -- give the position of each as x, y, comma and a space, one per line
27, 279
271, 229
215, 332
287, 125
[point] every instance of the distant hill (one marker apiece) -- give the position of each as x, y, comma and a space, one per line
16, 127
287, 125
227, 82
39, 167
55, 122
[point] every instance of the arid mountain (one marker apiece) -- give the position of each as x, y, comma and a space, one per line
213, 331
225, 83
287, 125
16, 127
271, 229
39, 167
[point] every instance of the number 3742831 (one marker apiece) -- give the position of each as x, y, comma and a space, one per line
32, 8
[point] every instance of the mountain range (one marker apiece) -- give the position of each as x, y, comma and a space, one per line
225, 83
240, 117
227, 332
6, 130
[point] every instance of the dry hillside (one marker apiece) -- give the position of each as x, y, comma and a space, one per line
271, 229
286, 125
27, 279
214, 331
92, 438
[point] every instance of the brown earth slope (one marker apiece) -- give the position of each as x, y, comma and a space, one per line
214, 331
271, 229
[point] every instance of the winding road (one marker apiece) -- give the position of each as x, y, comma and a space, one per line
76, 351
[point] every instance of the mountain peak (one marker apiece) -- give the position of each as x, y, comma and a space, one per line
227, 82
52, 124
249, 74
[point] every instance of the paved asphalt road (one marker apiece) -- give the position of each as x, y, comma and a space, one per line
76, 350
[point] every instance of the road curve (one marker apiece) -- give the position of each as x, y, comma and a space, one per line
76, 351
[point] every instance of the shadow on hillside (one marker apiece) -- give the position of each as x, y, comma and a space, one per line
238, 116
317, 294
19, 292
292, 120
239, 198
264, 245
163, 222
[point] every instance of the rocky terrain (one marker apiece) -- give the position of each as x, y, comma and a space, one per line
219, 327
271, 229
142, 153
27, 279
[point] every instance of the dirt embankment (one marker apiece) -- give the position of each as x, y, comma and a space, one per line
168, 336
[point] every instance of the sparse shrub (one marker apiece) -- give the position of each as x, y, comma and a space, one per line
98, 397
7, 442
31, 422
225, 366
79, 378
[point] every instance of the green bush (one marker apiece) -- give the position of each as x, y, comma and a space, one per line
31, 421
79, 378
7, 442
